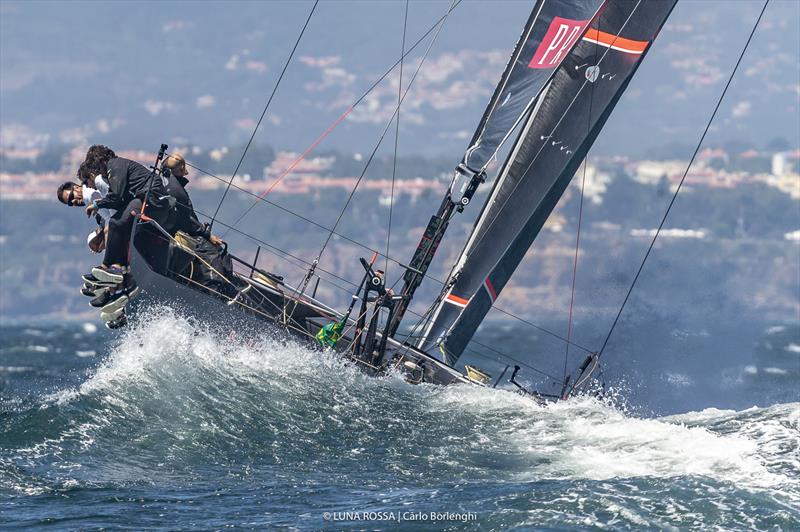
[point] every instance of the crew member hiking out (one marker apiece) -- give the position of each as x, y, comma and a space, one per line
129, 183
110, 298
75, 195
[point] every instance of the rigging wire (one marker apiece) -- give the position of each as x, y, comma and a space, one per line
580, 219
542, 329
348, 110
375, 150
288, 211
680, 183
354, 242
264, 112
575, 261
294, 164
278, 251
396, 140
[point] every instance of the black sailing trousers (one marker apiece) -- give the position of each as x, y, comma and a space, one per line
119, 233
121, 225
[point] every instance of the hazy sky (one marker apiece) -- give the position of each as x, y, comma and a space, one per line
141, 73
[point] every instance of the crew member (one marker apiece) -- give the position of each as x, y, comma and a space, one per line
75, 195
185, 219
130, 187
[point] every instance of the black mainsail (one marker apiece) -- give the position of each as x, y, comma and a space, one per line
558, 132
552, 30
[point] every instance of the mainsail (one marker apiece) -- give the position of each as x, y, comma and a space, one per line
557, 133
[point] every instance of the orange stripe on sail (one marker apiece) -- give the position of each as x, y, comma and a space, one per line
615, 42
457, 300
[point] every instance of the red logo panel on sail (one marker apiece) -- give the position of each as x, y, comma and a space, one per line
558, 40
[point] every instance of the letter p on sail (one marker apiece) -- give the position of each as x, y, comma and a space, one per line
558, 40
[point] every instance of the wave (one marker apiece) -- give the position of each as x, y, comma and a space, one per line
174, 396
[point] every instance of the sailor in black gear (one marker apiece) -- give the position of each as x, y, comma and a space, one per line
130, 186
183, 217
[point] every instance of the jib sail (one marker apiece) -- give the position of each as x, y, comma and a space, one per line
556, 135
552, 29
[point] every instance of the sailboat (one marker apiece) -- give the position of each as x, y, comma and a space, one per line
569, 68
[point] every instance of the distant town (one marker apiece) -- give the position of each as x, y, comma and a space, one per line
30, 172
739, 209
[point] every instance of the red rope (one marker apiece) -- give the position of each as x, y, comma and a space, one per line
305, 153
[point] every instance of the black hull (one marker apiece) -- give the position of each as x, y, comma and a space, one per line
267, 305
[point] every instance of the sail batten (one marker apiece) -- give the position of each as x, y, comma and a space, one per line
560, 129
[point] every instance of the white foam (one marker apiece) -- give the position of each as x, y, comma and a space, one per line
605, 444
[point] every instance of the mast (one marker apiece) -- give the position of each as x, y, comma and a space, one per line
551, 31
552, 144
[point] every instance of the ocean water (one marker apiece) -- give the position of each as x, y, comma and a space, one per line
169, 426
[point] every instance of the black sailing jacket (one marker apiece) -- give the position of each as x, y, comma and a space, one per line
128, 180
186, 219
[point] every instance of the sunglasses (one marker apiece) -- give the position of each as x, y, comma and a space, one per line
71, 198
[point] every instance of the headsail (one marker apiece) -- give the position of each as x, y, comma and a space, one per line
552, 30
555, 138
